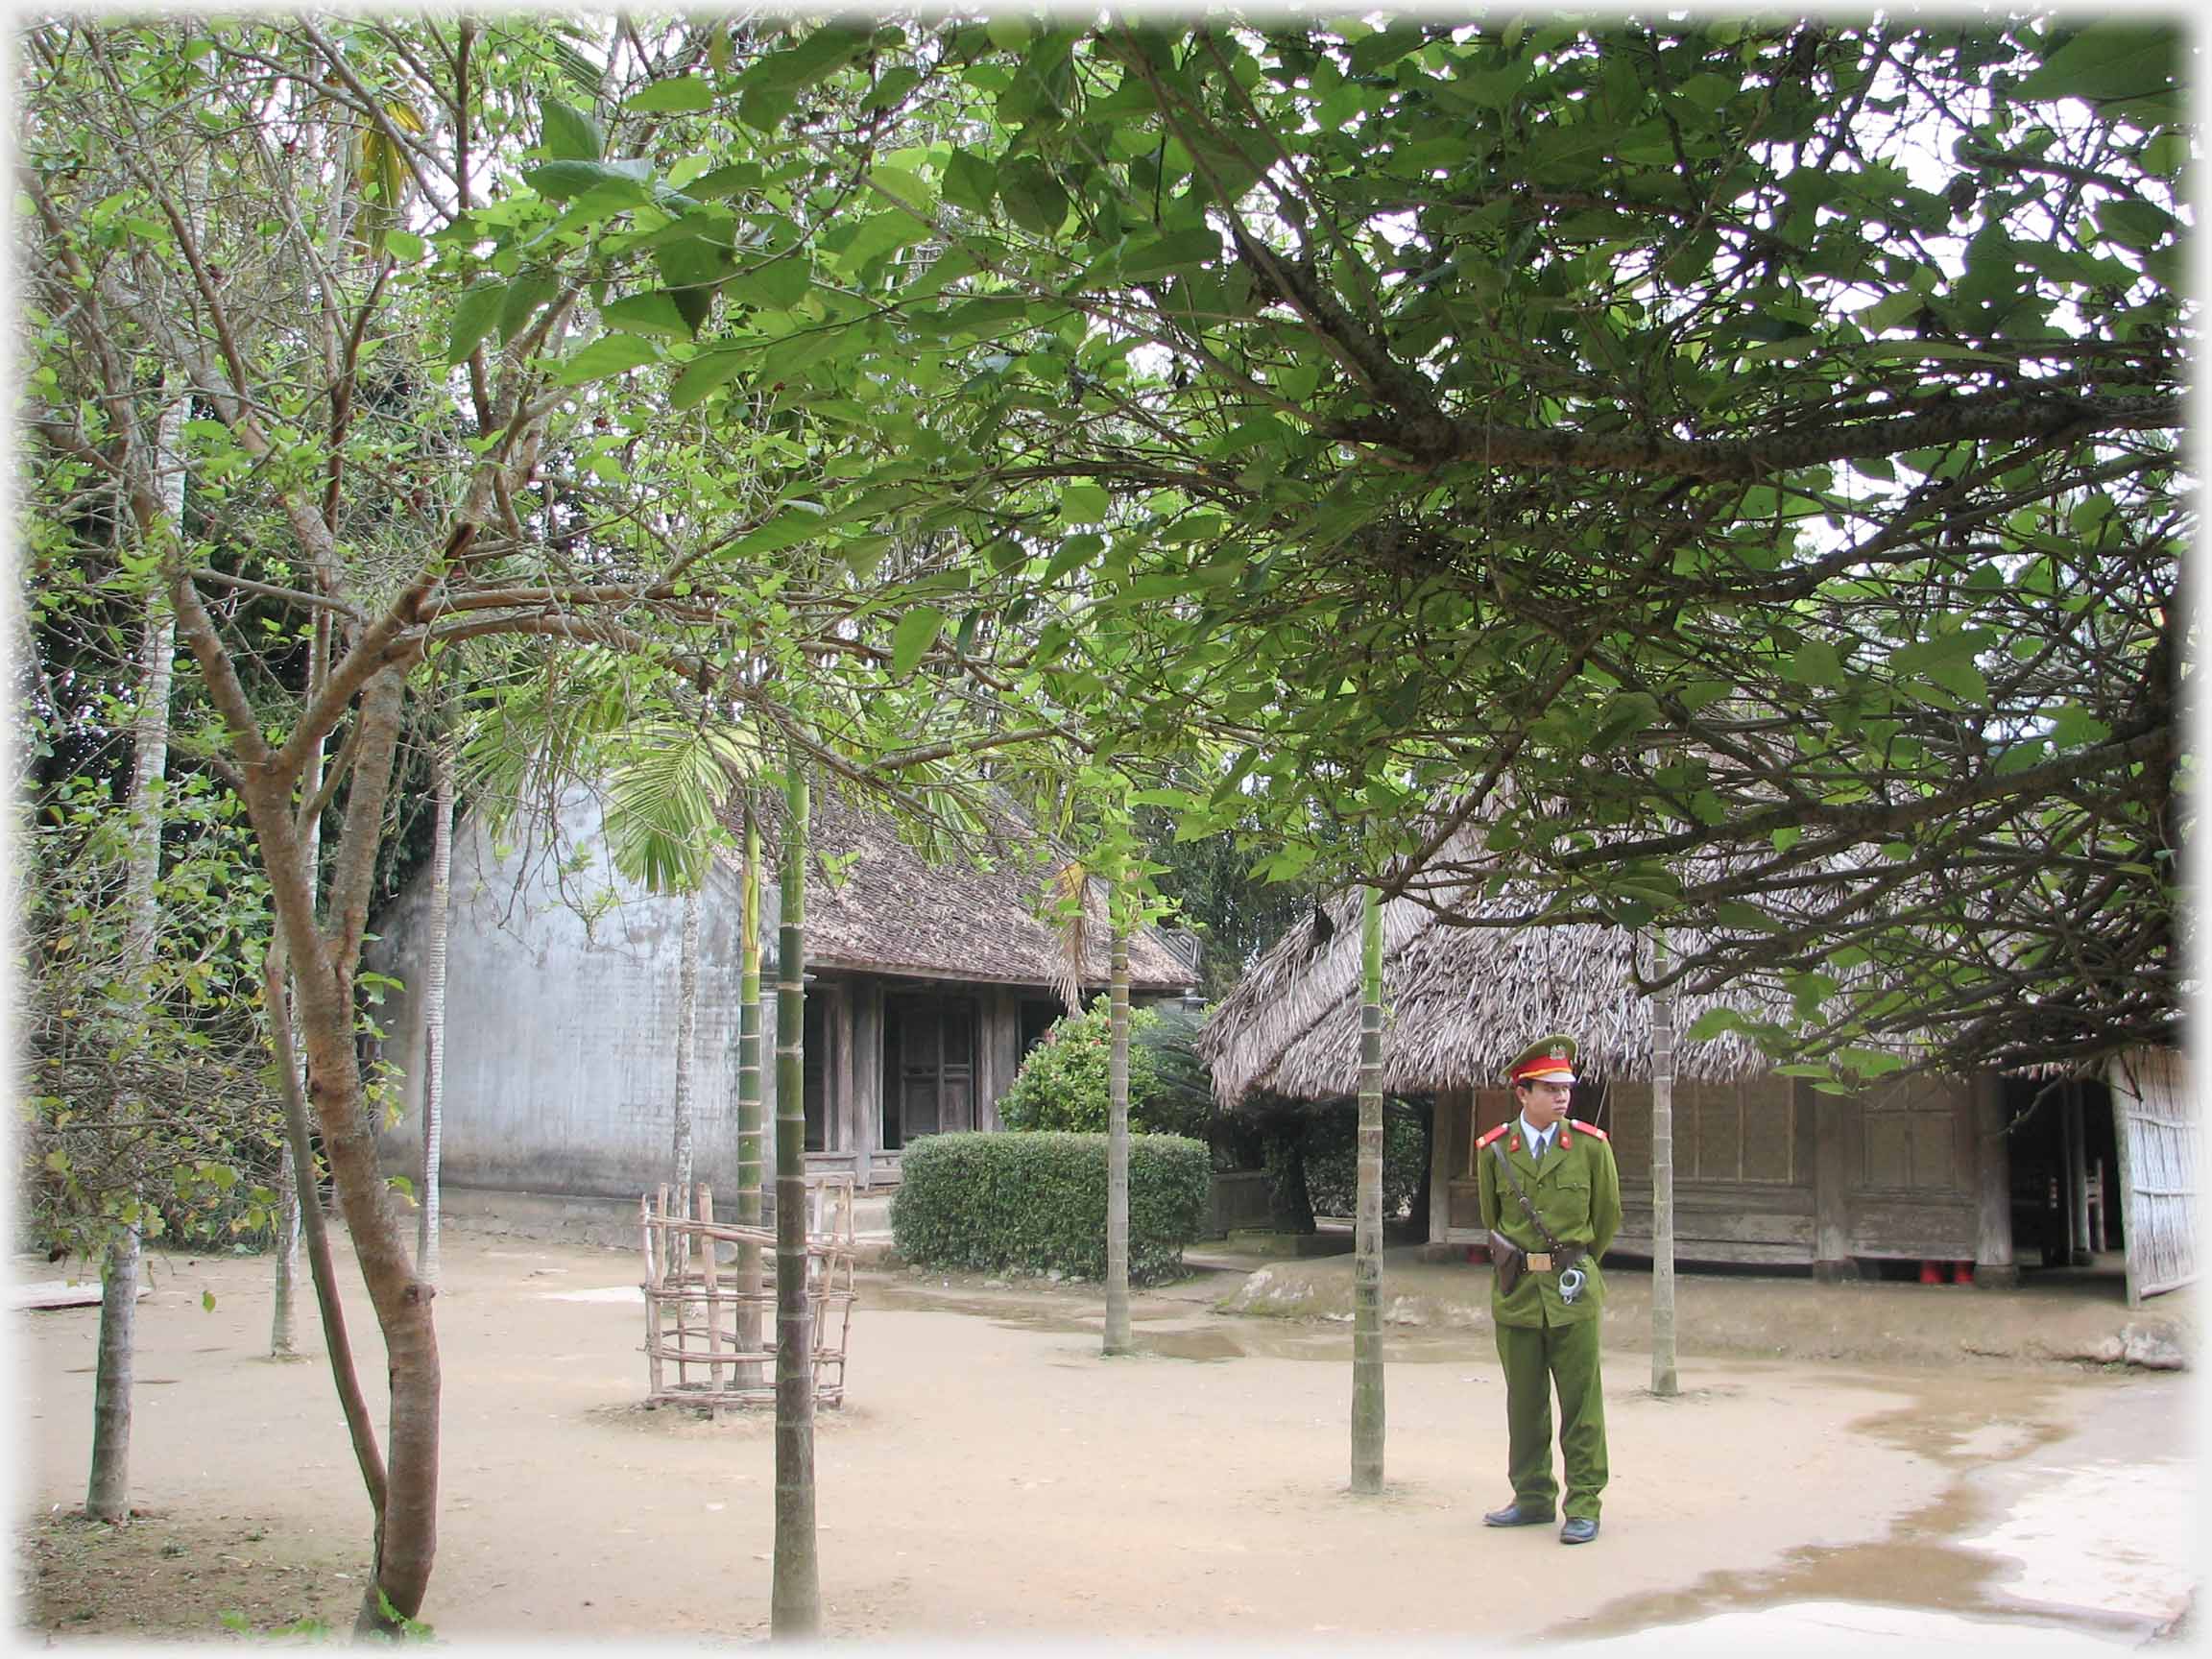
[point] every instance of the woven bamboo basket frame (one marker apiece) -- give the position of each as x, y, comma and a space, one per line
701, 1317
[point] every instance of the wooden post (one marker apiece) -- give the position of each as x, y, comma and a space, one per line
2124, 1154
2077, 1178
1994, 1268
1448, 1104
709, 1283
652, 1296
1832, 1262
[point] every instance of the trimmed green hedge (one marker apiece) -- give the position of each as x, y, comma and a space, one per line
1033, 1202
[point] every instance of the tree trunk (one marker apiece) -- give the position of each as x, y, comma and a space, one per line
296, 1187
1117, 1138
108, 1496
1367, 1225
749, 1207
323, 1271
795, 1605
434, 1004
1664, 1381
324, 967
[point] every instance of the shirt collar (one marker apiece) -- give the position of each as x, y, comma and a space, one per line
1531, 1134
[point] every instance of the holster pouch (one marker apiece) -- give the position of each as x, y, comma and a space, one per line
1507, 1259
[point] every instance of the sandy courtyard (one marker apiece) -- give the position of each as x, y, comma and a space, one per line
992, 1475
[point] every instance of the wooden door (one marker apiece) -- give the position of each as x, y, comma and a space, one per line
1910, 1186
929, 1057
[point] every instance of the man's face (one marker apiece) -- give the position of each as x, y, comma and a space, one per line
1544, 1104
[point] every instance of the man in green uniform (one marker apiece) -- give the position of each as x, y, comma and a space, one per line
1551, 1200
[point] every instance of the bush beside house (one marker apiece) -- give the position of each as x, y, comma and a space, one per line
1063, 1081
1035, 1202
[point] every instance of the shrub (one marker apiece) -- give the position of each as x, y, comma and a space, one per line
1030, 1203
1062, 1082
1333, 1159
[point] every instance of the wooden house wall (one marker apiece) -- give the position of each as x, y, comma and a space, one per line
1769, 1170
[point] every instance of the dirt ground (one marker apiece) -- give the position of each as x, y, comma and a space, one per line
993, 1475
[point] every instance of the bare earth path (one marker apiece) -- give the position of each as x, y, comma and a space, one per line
994, 1477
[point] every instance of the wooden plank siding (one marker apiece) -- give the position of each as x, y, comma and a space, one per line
1769, 1171
2157, 1141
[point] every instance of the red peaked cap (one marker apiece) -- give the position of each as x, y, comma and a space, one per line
1547, 1060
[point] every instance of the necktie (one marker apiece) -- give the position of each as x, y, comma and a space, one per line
1543, 1145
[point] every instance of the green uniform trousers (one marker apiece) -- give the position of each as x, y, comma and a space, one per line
1535, 1357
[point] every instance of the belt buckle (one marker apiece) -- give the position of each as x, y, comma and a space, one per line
1539, 1261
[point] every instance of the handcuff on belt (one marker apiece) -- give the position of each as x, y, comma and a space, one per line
1570, 1280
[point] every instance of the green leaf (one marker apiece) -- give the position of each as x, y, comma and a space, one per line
1712, 1024
970, 181
525, 296
1176, 251
655, 313
404, 246
560, 180
474, 316
1815, 662
568, 134
2107, 62
2138, 224
1084, 503
911, 639
704, 373
609, 355
207, 1301
678, 95
776, 286
693, 270
1034, 199
787, 529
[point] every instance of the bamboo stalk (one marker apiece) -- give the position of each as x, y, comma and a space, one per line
1367, 1414
651, 1298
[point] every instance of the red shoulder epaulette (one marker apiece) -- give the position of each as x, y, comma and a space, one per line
1589, 1129
1494, 1134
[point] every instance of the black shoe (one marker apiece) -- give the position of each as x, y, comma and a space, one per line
1579, 1529
1514, 1515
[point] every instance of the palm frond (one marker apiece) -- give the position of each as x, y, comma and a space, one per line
662, 794
1071, 887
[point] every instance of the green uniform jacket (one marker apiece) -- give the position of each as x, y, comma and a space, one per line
1577, 1191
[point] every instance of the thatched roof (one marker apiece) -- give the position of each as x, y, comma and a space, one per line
874, 904
1460, 1002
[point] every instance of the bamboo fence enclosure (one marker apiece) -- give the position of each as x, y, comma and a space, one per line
712, 1321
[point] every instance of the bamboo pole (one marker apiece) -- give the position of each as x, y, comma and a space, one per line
749, 1093
1664, 1381
795, 1597
1117, 1335
1367, 1414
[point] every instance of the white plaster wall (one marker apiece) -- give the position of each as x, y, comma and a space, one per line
560, 1017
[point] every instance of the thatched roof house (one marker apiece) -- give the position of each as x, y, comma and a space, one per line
890, 911
1461, 1003
1766, 1169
